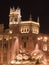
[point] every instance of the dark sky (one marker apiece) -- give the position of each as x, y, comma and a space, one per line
35, 7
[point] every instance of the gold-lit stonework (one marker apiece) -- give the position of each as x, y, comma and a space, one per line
21, 36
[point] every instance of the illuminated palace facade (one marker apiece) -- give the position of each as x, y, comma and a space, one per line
25, 32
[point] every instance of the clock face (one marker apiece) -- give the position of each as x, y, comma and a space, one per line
15, 19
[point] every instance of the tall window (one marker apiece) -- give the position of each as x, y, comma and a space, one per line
25, 30
15, 18
11, 19
10, 44
5, 58
24, 44
0, 45
35, 30
24, 39
48, 46
5, 46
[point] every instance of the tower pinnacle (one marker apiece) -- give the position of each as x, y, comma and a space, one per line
38, 19
30, 17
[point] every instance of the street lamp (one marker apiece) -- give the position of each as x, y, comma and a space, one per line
39, 38
45, 39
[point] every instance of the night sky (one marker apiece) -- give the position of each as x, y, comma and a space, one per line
35, 7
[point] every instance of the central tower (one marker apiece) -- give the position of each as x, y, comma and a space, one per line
15, 15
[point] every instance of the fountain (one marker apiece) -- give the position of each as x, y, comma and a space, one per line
20, 56
15, 49
39, 56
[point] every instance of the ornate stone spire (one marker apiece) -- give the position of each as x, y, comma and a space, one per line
13, 8
30, 17
38, 19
